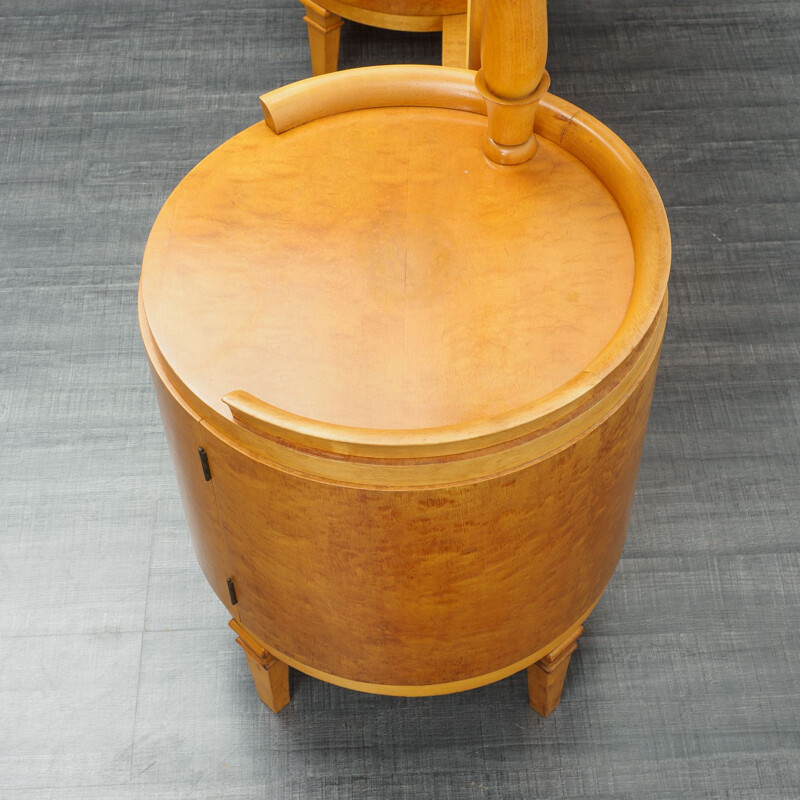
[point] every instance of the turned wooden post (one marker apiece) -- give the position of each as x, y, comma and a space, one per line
512, 77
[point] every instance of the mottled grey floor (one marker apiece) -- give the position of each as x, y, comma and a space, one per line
118, 675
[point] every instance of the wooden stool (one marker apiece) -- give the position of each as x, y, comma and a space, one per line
324, 22
404, 345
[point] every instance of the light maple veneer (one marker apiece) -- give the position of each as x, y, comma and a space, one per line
421, 380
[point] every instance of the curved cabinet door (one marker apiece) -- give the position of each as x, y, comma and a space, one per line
430, 585
185, 435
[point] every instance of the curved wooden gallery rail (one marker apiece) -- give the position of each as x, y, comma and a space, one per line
404, 354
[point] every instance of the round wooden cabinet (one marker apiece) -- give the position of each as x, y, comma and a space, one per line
406, 388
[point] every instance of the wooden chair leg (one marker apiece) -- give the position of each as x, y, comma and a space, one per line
546, 676
270, 675
323, 37
454, 41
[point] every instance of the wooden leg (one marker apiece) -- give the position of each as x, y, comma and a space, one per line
270, 676
546, 676
323, 37
454, 41
474, 30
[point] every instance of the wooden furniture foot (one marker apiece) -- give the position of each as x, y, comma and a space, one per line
270, 675
323, 37
546, 676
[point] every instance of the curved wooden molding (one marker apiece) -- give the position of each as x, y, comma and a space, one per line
428, 450
370, 87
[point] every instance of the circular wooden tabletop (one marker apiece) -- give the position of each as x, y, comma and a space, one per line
372, 269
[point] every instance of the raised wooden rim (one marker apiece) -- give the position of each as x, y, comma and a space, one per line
578, 133
406, 471
370, 87
529, 444
557, 120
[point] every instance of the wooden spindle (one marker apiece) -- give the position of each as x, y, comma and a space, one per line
512, 77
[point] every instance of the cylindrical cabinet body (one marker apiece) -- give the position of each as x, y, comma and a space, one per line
430, 558
412, 588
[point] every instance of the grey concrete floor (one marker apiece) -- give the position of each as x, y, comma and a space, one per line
118, 675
